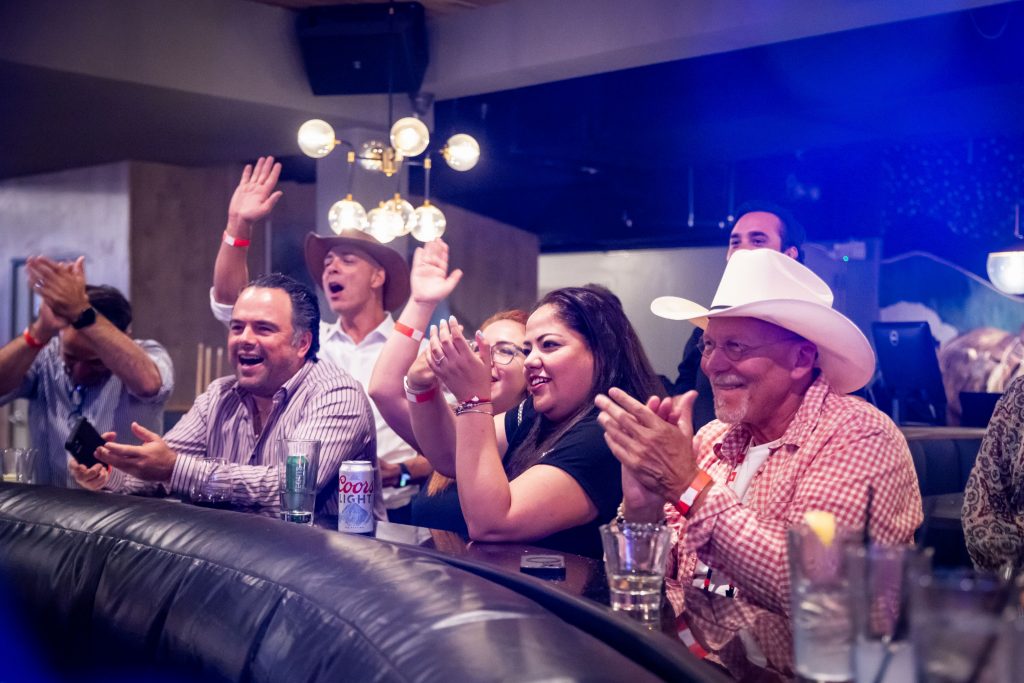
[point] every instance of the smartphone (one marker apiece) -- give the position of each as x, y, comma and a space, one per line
543, 566
83, 442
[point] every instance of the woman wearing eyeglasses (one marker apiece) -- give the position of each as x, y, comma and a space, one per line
403, 386
543, 473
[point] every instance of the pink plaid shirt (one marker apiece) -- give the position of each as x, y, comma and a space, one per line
834, 449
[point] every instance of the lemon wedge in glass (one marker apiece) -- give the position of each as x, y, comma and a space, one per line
823, 524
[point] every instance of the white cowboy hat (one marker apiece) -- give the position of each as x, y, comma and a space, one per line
396, 284
770, 286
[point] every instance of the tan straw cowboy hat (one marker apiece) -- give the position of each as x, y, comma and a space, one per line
396, 284
770, 286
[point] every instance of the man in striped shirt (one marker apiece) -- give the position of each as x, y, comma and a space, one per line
279, 391
76, 360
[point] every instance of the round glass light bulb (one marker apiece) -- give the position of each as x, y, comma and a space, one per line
409, 136
428, 223
316, 138
347, 214
462, 152
383, 224
403, 209
1006, 270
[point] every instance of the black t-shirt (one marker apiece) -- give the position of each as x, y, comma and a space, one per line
582, 453
439, 511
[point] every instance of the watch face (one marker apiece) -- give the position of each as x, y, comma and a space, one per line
87, 318
404, 480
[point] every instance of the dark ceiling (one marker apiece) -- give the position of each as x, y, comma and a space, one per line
605, 161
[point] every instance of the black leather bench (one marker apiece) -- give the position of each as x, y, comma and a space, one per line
126, 587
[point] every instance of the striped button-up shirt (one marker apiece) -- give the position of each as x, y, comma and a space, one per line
320, 402
55, 403
835, 448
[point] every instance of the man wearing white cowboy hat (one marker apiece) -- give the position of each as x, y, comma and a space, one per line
787, 439
362, 281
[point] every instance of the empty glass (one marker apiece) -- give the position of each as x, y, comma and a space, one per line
218, 487
19, 464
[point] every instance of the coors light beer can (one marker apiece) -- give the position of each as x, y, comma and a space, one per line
355, 497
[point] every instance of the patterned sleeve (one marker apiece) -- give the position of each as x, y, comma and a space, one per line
752, 549
158, 354
992, 528
336, 415
187, 439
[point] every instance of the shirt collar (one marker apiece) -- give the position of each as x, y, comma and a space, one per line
733, 446
287, 389
379, 333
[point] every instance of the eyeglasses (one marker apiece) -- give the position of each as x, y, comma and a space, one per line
734, 350
502, 352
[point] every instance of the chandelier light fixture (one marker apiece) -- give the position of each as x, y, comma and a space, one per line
1006, 267
408, 144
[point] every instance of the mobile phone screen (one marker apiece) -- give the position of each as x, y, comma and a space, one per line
83, 442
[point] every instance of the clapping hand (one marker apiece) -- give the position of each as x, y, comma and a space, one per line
653, 441
61, 286
466, 373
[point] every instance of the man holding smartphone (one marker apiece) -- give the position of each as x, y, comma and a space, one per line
77, 360
235, 429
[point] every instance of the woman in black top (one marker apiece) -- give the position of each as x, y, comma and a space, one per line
544, 473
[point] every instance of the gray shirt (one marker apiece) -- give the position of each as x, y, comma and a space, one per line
55, 403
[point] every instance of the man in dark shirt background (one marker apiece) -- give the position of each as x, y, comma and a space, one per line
759, 225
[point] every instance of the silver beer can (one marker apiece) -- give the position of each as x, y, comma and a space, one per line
355, 497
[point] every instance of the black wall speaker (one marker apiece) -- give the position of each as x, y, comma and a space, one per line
352, 49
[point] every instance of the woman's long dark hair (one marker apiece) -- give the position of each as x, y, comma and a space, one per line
595, 314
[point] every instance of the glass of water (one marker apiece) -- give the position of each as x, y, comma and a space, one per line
820, 602
956, 623
635, 556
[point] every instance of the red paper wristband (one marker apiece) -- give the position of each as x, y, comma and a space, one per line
410, 332
32, 341
689, 496
235, 241
418, 396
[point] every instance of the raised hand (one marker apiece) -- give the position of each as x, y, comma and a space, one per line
255, 197
61, 285
152, 461
429, 278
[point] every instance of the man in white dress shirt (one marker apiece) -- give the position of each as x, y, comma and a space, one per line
362, 281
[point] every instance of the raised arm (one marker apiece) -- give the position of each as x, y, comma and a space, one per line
541, 501
253, 200
17, 355
430, 282
62, 287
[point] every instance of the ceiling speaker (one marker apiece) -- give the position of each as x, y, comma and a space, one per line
360, 49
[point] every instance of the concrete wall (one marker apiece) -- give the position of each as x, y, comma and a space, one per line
637, 277
67, 214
